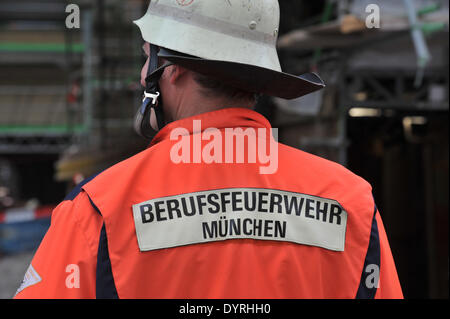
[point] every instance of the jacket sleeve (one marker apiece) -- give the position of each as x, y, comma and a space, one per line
64, 266
389, 284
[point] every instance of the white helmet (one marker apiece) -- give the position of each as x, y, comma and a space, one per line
230, 40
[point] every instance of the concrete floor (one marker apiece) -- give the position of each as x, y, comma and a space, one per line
12, 270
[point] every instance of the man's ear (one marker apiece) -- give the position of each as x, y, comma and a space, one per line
176, 73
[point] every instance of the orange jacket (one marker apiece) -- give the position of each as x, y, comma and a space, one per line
150, 228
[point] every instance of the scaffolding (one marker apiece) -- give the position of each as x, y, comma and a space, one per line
382, 69
43, 64
70, 92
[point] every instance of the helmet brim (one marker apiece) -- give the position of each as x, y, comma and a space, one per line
249, 78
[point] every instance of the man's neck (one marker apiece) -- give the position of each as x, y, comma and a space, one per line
197, 106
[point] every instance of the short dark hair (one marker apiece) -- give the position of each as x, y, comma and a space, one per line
213, 87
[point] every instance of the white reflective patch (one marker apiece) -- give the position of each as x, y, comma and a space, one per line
31, 278
240, 213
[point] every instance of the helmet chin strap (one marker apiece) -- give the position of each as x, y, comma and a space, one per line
149, 118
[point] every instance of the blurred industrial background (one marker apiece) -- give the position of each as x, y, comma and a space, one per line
68, 97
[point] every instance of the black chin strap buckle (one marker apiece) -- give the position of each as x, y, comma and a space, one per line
153, 96
148, 109
151, 110
151, 105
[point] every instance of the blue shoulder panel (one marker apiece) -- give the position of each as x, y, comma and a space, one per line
369, 277
104, 286
77, 190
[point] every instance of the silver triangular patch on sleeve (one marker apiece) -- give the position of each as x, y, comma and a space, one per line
31, 278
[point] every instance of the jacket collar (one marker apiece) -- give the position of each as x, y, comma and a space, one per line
221, 119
